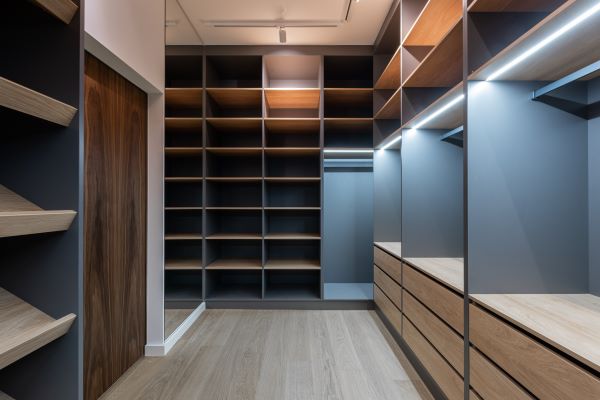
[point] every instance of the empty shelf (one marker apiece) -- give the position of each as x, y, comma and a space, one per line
570, 322
292, 150
234, 236
235, 123
236, 98
514, 5
234, 178
24, 328
61, 9
293, 236
390, 77
183, 236
183, 179
184, 124
234, 208
293, 208
348, 97
278, 98
293, 264
449, 271
20, 217
183, 150
292, 179
183, 208
434, 21
236, 151
175, 265
235, 264
27, 101
391, 108
394, 248
183, 98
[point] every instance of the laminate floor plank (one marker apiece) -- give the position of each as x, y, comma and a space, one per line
276, 355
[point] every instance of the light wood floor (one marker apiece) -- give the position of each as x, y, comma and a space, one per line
174, 318
277, 355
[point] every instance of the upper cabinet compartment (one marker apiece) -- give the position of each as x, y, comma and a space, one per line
233, 71
348, 72
183, 71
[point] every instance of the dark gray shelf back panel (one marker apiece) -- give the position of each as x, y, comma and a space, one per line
594, 190
387, 200
233, 250
233, 194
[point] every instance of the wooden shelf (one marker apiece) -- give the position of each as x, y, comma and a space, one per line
183, 150
442, 67
234, 178
390, 77
235, 236
293, 208
568, 53
236, 151
348, 97
450, 119
183, 98
236, 98
434, 21
279, 98
570, 322
292, 125
514, 5
293, 236
183, 179
234, 208
183, 124
20, 217
183, 236
235, 123
391, 108
292, 150
293, 264
234, 264
449, 271
292, 179
183, 265
394, 248
62, 9
183, 208
24, 328
30, 102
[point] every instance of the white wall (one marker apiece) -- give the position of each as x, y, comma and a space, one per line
129, 36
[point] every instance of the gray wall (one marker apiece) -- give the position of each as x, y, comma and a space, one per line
528, 220
432, 192
348, 226
387, 171
594, 191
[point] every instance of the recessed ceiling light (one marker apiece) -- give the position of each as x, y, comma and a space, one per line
282, 35
171, 22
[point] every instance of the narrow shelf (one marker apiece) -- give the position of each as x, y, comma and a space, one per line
234, 150
24, 328
434, 21
292, 178
183, 150
514, 5
292, 125
390, 77
223, 264
449, 119
292, 236
293, 208
27, 101
178, 123
234, 178
182, 236
394, 248
183, 265
570, 322
234, 236
292, 150
293, 264
62, 9
348, 97
234, 122
183, 179
236, 98
449, 271
19, 217
391, 108
183, 208
302, 98
442, 67
183, 98
569, 52
234, 208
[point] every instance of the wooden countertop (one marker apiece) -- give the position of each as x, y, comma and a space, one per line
449, 271
394, 248
570, 322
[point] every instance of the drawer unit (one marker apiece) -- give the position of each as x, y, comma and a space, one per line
388, 309
444, 302
445, 340
542, 371
388, 263
389, 286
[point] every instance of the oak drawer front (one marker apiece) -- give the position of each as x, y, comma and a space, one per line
447, 379
389, 286
542, 371
442, 301
388, 263
491, 382
444, 339
388, 309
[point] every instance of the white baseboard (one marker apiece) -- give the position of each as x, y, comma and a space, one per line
163, 349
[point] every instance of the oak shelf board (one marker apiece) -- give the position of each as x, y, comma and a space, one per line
183, 265
293, 208
292, 178
300, 264
183, 150
442, 67
62, 9
230, 123
183, 98
19, 217
449, 271
185, 208
30, 102
227, 264
292, 150
183, 236
292, 125
236, 151
569, 322
348, 97
390, 77
292, 236
434, 21
450, 119
234, 178
178, 123
236, 98
572, 51
391, 108
234, 208
514, 5
293, 98
24, 328
234, 236
183, 179
394, 248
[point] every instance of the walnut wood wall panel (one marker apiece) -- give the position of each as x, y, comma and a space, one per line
115, 226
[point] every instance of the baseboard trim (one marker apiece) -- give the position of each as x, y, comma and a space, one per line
291, 304
171, 341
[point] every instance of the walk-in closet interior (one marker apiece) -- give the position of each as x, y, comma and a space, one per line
283, 199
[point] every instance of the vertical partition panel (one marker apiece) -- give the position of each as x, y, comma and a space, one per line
387, 201
594, 190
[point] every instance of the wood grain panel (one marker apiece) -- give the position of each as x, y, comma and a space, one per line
514, 5
449, 271
445, 340
391, 108
390, 77
10, 201
115, 226
393, 314
62, 9
236, 97
183, 98
443, 302
543, 372
389, 286
293, 98
447, 379
388, 263
393, 248
435, 20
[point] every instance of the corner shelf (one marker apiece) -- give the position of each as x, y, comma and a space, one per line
30, 102
62, 9
391, 108
390, 77
434, 21
24, 328
20, 217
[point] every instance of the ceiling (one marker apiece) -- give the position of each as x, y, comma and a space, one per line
193, 21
